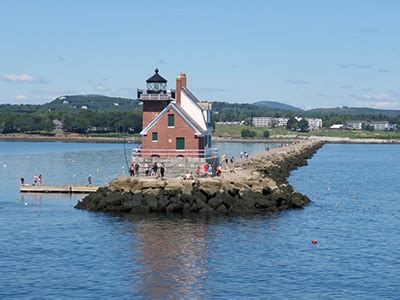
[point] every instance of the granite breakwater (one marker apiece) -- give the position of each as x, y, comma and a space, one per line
258, 184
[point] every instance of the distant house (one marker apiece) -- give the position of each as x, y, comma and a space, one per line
116, 104
58, 125
313, 124
383, 125
262, 121
269, 122
84, 107
65, 102
358, 125
281, 122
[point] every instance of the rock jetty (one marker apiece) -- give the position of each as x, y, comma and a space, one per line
258, 184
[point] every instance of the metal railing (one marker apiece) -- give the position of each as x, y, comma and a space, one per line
155, 97
175, 153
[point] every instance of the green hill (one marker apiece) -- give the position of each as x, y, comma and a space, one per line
353, 111
92, 102
277, 105
77, 103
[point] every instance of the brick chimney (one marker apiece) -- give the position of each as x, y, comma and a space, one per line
180, 83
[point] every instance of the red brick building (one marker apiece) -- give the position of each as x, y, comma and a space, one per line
175, 122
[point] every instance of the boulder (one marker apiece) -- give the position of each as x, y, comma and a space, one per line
209, 187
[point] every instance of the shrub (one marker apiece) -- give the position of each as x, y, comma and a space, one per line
248, 133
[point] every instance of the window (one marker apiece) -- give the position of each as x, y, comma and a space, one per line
180, 143
154, 137
171, 120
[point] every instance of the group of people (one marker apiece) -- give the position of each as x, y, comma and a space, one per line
37, 180
227, 161
244, 155
134, 169
149, 170
208, 170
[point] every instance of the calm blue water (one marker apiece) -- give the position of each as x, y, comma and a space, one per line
48, 249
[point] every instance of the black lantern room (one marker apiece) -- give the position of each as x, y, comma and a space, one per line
156, 84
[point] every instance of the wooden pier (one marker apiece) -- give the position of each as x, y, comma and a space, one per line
68, 189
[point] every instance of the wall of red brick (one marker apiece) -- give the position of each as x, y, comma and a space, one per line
167, 136
151, 109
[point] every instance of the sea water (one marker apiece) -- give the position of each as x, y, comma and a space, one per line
49, 249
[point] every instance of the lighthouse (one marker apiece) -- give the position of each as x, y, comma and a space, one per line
175, 122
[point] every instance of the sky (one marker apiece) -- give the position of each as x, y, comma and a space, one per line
305, 53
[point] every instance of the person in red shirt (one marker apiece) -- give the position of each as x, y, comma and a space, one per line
205, 169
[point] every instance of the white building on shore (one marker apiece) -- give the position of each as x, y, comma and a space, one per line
313, 124
383, 125
269, 122
377, 125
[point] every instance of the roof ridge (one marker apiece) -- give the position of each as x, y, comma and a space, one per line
193, 124
190, 94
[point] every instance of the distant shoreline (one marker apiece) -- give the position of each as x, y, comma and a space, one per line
67, 138
131, 139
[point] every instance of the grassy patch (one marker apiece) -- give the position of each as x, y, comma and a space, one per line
234, 132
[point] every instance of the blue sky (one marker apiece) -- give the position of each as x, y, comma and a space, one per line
305, 53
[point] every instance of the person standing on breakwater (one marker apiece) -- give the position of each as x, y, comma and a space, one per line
40, 179
155, 169
146, 169
210, 170
219, 170
162, 170
22, 181
205, 167
197, 171
132, 169
137, 169
35, 179
89, 180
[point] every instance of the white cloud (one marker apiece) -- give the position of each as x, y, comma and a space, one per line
16, 77
22, 78
100, 88
390, 100
21, 98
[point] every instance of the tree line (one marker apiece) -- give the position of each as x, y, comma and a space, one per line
84, 121
237, 112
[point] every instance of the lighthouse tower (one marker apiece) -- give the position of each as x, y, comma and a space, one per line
175, 122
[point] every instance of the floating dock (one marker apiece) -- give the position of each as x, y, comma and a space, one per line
68, 189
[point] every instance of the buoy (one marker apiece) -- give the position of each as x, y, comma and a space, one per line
314, 242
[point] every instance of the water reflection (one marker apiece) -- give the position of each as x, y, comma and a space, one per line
33, 199
171, 256
36, 199
172, 252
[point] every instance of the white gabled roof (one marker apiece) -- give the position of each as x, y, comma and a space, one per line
188, 120
191, 105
